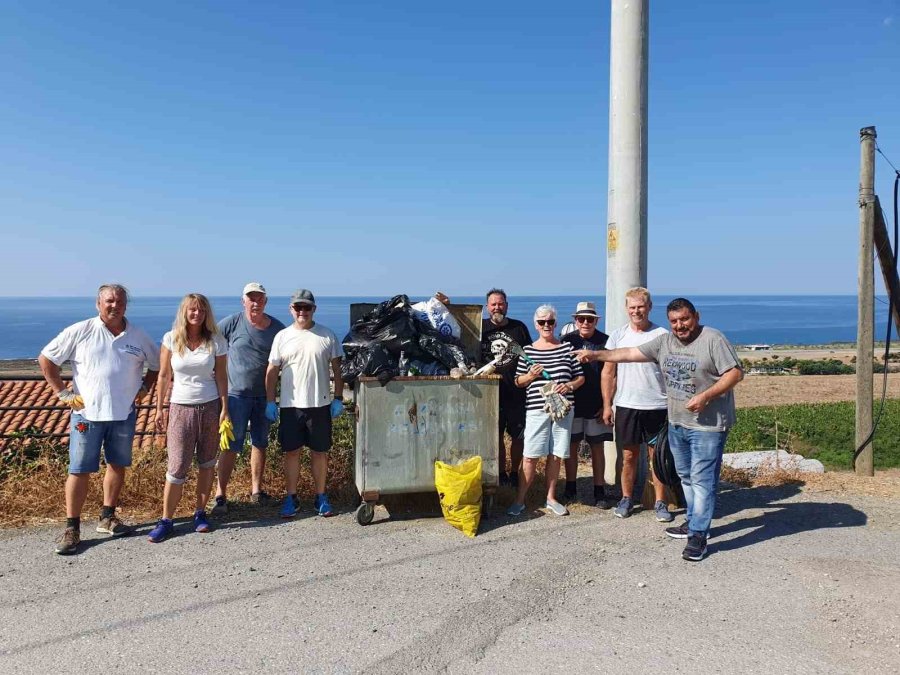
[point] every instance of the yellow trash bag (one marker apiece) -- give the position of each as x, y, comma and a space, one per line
459, 487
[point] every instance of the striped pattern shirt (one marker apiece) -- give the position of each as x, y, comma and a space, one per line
559, 364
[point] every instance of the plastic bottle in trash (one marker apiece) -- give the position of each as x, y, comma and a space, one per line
403, 365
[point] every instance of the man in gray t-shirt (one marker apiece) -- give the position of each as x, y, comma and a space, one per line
701, 368
249, 334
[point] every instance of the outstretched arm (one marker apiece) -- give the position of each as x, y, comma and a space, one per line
623, 355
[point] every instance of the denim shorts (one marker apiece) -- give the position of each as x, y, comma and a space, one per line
545, 437
248, 409
86, 438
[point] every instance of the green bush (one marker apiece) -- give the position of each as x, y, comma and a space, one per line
823, 431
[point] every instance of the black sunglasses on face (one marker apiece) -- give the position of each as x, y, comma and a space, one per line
302, 308
585, 319
546, 322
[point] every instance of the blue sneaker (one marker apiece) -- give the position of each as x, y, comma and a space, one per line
201, 524
515, 510
162, 531
625, 508
323, 506
289, 507
663, 514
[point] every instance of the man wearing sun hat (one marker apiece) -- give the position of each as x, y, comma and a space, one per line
588, 423
249, 334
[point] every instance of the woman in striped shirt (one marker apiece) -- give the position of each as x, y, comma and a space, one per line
545, 437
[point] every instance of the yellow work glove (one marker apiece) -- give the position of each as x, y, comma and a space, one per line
71, 399
226, 434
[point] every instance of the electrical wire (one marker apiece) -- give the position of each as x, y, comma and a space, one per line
891, 301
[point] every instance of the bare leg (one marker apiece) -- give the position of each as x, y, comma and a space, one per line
572, 462
257, 468
204, 486
516, 448
171, 496
598, 463
658, 488
112, 484
552, 474
225, 468
529, 467
76, 492
291, 470
629, 468
319, 462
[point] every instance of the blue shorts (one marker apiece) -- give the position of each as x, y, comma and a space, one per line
248, 409
86, 439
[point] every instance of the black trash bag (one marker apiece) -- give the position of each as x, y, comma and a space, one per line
372, 360
390, 324
449, 355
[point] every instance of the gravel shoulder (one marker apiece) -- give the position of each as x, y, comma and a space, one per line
797, 581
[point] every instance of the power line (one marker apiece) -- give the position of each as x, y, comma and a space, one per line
886, 159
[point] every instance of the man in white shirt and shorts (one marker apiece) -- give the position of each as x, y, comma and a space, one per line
108, 355
637, 391
302, 354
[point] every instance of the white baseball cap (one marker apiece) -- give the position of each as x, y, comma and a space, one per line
254, 287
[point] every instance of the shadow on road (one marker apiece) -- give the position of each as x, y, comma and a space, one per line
780, 519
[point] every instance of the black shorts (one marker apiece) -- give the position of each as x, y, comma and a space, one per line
634, 427
305, 426
512, 421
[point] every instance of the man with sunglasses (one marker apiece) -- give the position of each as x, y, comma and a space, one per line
496, 330
250, 334
588, 423
302, 354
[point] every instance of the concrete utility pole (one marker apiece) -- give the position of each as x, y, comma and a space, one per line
865, 346
626, 234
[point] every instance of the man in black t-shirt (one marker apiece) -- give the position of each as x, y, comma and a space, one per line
496, 333
588, 422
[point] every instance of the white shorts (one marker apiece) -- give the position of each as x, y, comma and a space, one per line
595, 430
545, 437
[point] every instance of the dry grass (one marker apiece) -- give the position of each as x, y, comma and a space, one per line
884, 484
34, 474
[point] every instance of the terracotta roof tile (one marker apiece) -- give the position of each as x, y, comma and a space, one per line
45, 413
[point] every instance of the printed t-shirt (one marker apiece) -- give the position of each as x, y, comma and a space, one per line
304, 356
493, 340
193, 372
559, 364
640, 386
693, 368
588, 397
107, 369
248, 353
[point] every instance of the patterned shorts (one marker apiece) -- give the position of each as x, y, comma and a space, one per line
192, 428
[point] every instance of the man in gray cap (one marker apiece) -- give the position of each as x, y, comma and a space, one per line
249, 334
302, 353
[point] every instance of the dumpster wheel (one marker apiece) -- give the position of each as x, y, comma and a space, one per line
365, 512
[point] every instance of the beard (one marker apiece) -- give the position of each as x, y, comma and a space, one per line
497, 317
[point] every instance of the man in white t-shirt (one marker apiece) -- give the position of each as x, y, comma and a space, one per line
302, 354
108, 355
640, 400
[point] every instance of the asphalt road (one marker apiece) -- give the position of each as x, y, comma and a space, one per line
795, 582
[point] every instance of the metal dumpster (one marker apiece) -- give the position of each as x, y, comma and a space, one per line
402, 428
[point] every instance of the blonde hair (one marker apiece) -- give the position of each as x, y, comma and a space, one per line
638, 291
179, 327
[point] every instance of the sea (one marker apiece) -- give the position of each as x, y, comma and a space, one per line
27, 324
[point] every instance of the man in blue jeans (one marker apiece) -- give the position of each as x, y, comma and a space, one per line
701, 369
250, 334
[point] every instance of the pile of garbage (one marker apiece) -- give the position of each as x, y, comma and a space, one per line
397, 338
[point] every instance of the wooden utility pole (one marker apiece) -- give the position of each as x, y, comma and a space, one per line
865, 346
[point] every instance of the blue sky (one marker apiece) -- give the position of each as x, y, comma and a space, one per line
374, 148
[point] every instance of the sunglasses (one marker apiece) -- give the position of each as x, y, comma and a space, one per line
302, 308
585, 319
546, 322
